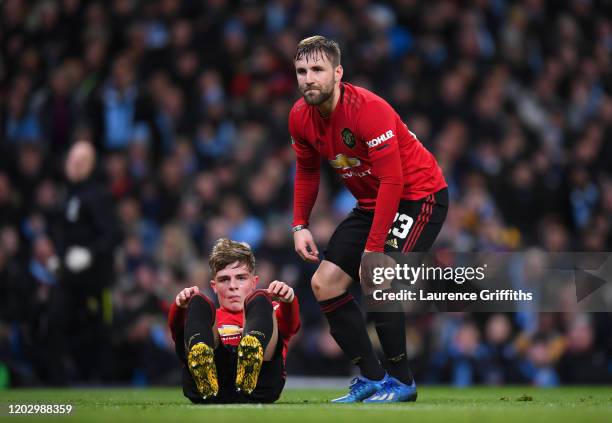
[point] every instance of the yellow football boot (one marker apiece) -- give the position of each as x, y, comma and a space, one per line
201, 361
250, 359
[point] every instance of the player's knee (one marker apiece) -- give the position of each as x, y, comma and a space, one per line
258, 293
320, 286
201, 300
259, 298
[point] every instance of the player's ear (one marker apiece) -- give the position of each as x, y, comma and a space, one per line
339, 72
213, 285
255, 281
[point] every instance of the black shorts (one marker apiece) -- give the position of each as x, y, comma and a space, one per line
415, 228
269, 385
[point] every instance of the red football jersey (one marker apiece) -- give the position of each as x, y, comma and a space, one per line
230, 324
379, 160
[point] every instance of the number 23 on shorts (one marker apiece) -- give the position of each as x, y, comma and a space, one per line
402, 228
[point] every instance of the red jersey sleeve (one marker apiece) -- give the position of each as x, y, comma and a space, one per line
307, 174
288, 318
377, 126
176, 320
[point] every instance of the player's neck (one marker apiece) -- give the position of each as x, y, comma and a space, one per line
326, 108
227, 310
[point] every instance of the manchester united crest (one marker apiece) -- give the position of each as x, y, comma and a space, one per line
348, 138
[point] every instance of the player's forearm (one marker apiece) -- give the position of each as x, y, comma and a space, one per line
387, 203
388, 169
305, 192
176, 319
289, 318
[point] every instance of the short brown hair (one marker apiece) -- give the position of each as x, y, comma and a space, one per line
226, 252
318, 44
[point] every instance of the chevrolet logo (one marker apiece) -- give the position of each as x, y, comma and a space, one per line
343, 162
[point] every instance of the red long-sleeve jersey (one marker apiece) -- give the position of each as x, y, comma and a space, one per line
379, 160
229, 324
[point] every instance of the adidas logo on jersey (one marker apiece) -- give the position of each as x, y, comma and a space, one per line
392, 242
380, 139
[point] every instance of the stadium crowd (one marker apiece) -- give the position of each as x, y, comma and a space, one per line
186, 103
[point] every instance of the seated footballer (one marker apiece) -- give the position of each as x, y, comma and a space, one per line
236, 353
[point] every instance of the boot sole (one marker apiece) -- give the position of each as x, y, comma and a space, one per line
201, 361
250, 360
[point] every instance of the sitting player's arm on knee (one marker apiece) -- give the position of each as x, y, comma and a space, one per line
183, 297
288, 311
176, 320
281, 291
178, 311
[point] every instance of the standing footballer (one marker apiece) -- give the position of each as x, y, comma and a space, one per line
402, 201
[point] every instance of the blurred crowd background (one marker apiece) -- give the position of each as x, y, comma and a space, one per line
187, 104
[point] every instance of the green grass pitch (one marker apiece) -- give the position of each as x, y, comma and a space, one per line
439, 404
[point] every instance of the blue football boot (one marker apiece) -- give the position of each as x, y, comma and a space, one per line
361, 388
394, 391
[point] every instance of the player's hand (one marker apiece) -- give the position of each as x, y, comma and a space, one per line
182, 299
305, 246
281, 291
368, 277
